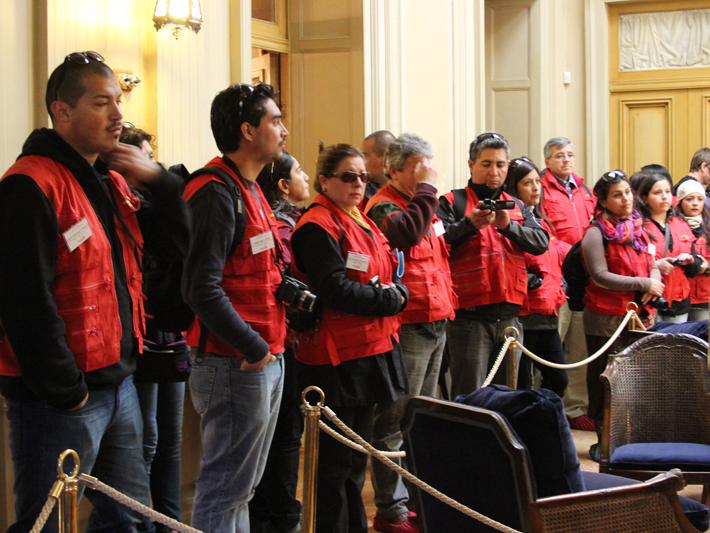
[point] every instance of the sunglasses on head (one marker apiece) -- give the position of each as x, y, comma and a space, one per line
519, 161
247, 91
613, 176
76, 58
489, 135
349, 176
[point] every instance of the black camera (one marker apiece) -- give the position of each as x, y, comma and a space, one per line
488, 204
659, 303
295, 294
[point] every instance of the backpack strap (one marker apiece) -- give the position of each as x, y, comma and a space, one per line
460, 201
240, 220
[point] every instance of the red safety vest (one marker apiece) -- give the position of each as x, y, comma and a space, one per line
569, 217
83, 287
426, 271
487, 268
621, 259
547, 299
249, 280
700, 284
339, 336
677, 284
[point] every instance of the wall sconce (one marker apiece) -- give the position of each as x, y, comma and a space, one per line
127, 80
178, 14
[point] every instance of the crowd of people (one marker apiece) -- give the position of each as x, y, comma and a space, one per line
373, 291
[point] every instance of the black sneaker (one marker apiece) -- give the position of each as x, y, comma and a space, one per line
594, 452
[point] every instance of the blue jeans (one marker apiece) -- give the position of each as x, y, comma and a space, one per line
473, 348
162, 406
422, 354
238, 412
107, 435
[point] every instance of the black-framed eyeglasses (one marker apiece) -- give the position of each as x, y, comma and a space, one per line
76, 58
348, 176
614, 176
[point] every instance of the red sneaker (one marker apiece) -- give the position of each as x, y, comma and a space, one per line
583, 423
407, 526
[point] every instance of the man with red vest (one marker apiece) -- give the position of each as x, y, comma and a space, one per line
569, 205
405, 211
230, 281
487, 261
72, 234
374, 147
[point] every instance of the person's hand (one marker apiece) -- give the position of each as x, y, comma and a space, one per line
246, 366
81, 404
664, 266
425, 172
480, 218
502, 220
654, 291
684, 259
133, 164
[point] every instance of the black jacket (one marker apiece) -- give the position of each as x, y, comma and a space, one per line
28, 240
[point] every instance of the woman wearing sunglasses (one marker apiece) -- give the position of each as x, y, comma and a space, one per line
671, 240
352, 353
546, 293
622, 269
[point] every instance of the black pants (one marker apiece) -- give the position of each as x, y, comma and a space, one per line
341, 476
547, 344
595, 389
274, 507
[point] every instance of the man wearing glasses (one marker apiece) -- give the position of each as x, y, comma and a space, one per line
569, 205
230, 281
488, 233
72, 233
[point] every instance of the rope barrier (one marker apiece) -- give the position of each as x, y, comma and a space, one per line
630, 315
48, 506
499, 360
353, 445
146, 511
413, 479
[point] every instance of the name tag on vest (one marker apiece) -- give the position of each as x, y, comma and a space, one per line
77, 234
359, 262
262, 242
652, 249
439, 228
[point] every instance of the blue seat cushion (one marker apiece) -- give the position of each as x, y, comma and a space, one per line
538, 418
689, 457
696, 512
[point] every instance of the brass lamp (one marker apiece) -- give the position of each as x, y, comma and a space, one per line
178, 14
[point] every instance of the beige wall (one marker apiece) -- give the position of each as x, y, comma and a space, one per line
16, 87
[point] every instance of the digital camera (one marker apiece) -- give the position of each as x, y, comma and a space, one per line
495, 205
295, 294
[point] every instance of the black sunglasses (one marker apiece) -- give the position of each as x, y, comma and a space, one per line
76, 58
348, 176
489, 135
248, 91
519, 161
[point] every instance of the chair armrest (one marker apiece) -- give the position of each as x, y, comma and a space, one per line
651, 507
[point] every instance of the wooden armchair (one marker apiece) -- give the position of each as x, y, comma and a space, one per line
657, 410
474, 456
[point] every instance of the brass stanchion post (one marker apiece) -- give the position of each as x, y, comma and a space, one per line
69, 500
310, 464
512, 365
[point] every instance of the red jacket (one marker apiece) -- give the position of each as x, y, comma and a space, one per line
83, 286
249, 280
700, 284
426, 271
487, 268
569, 217
547, 299
677, 284
339, 336
621, 259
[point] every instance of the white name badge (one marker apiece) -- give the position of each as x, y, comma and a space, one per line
77, 234
359, 262
262, 242
439, 228
652, 249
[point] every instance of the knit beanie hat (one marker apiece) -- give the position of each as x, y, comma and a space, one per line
689, 187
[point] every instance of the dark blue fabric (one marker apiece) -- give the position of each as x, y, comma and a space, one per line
663, 456
538, 418
695, 511
699, 328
